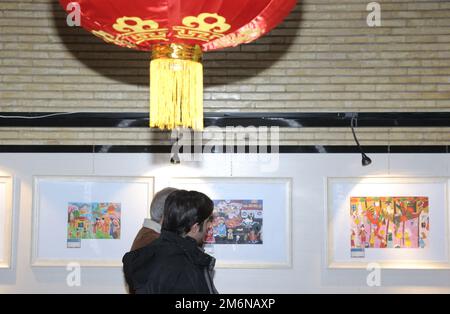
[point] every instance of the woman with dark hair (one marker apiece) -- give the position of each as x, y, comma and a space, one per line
176, 262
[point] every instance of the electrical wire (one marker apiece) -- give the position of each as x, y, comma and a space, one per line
366, 161
39, 117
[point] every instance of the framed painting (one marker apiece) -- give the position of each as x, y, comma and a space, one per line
252, 220
397, 223
6, 220
87, 220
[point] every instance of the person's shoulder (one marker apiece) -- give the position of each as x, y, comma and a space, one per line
145, 251
171, 251
172, 254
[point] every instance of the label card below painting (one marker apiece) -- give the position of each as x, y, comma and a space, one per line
358, 253
209, 249
74, 243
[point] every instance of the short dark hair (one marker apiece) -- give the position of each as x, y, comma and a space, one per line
183, 209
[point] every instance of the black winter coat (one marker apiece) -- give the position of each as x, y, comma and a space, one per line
171, 264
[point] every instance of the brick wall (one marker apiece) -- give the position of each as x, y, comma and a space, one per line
324, 57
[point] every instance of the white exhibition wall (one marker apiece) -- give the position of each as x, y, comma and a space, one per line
309, 172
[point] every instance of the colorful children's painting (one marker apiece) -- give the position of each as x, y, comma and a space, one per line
236, 222
93, 221
389, 222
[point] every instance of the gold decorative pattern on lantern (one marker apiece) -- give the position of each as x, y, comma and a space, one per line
134, 32
140, 30
243, 36
109, 38
204, 27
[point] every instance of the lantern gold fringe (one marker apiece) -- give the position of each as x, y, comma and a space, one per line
176, 94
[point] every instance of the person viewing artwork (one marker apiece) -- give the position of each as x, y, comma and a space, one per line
176, 263
151, 228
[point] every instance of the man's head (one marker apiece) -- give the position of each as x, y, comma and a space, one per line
188, 213
157, 206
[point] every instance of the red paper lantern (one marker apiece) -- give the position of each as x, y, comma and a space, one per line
177, 33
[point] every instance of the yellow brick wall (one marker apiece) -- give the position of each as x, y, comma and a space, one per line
303, 136
324, 57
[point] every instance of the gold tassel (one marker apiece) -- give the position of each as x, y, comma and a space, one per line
176, 87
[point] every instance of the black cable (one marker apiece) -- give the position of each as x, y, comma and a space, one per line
366, 161
41, 116
175, 157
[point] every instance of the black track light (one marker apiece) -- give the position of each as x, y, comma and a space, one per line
366, 161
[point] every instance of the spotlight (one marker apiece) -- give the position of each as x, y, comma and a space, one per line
175, 159
366, 161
